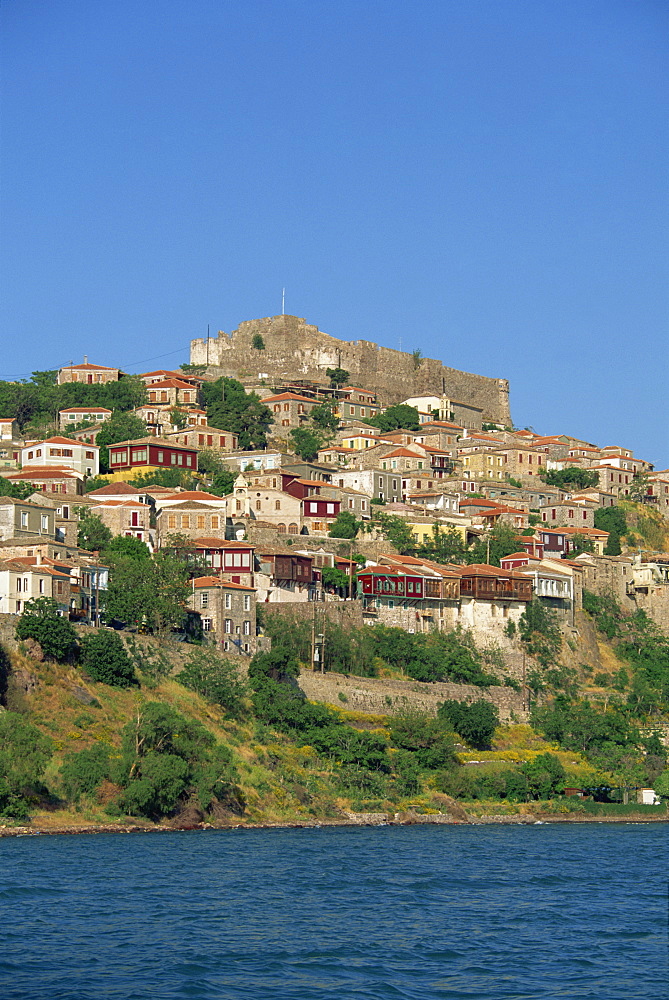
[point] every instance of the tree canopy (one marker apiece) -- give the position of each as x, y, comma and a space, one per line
231, 408
400, 417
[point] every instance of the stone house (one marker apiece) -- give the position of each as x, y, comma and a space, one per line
228, 613
128, 518
289, 409
613, 479
523, 461
479, 463
409, 593
568, 514
11, 443
356, 404
21, 517
88, 374
173, 392
439, 434
489, 598
203, 437
192, 519
552, 580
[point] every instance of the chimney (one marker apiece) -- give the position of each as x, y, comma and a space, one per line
85, 359
38, 558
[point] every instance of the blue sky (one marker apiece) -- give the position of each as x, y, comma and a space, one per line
484, 181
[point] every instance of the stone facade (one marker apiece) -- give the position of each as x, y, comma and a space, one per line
291, 343
383, 696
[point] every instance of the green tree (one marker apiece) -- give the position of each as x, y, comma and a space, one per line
178, 418
613, 520
324, 418
445, 546
104, 659
150, 592
338, 377
345, 525
216, 679
230, 408
571, 478
18, 491
42, 622
491, 549
400, 417
475, 722
429, 739
126, 545
545, 775
662, 784
257, 342
305, 443
81, 773
166, 757
540, 632
222, 483
120, 427
397, 531
92, 534
580, 543
24, 755
639, 487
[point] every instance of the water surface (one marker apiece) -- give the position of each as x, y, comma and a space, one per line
399, 912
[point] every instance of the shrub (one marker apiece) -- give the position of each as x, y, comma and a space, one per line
24, 754
216, 679
42, 622
475, 723
104, 659
81, 773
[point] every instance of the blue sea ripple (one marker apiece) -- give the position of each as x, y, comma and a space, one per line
391, 913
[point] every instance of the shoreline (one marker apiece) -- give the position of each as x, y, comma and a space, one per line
417, 819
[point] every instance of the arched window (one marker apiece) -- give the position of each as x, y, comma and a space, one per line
281, 528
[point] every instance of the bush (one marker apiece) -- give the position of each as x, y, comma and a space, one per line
24, 755
81, 773
216, 679
475, 723
104, 659
431, 742
42, 622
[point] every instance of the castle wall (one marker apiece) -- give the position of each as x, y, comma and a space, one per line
294, 346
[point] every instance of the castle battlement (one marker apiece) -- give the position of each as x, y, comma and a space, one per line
297, 349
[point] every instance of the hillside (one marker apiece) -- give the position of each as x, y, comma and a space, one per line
269, 757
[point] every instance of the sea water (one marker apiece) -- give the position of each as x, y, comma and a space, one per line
388, 913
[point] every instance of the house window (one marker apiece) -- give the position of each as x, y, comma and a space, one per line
41, 586
204, 599
228, 626
228, 601
226, 646
247, 628
185, 520
214, 521
206, 624
171, 520
247, 602
277, 505
45, 522
24, 518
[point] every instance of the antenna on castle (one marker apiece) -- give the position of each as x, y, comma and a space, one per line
400, 343
283, 301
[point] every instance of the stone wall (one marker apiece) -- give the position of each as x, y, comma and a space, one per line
382, 696
302, 350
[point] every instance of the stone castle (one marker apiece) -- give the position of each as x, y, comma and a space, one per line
295, 349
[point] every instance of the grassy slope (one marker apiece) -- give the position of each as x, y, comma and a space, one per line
282, 782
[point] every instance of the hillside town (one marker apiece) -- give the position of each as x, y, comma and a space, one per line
317, 487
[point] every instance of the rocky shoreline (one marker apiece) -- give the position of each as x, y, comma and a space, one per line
359, 819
